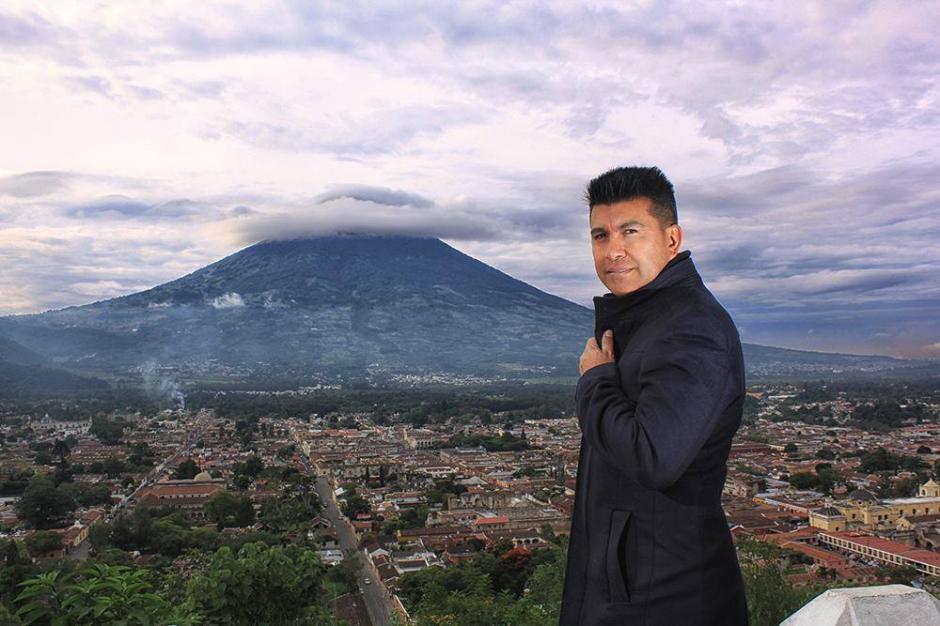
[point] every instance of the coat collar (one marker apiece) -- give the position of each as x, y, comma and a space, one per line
678, 270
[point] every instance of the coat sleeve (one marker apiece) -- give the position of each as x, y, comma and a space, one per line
684, 382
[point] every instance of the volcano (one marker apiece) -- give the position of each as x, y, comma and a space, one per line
327, 306
343, 307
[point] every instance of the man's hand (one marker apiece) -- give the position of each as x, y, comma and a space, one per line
594, 355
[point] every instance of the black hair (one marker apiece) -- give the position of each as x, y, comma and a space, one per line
627, 183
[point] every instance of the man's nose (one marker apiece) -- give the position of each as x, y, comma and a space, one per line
616, 249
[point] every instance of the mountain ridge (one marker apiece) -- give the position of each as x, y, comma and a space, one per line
333, 307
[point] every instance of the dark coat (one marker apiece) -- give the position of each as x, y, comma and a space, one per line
649, 539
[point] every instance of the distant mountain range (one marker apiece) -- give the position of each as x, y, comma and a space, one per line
332, 308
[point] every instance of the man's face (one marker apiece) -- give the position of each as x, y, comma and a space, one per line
630, 246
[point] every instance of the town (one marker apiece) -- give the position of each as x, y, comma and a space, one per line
826, 486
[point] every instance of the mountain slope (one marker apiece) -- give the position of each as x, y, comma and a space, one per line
326, 304
325, 308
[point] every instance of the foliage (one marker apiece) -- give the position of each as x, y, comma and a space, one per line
824, 479
410, 518
480, 591
165, 532
506, 442
186, 470
15, 482
251, 467
86, 494
227, 510
803, 480
880, 460
43, 505
107, 431
258, 585
97, 594
286, 512
43, 542
888, 412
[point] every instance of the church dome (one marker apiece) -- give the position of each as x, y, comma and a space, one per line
862, 494
203, 475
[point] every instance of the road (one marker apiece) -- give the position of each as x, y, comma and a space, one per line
374, 594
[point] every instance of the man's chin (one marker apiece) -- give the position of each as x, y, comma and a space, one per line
620, 291
622, 288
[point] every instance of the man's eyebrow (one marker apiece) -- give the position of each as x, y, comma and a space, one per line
627, 224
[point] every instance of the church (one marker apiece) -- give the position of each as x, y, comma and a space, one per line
862, 510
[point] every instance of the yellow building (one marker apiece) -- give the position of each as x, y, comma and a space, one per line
862, 510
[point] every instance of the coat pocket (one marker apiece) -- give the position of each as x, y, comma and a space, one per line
616, 556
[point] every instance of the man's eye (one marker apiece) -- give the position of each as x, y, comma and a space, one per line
598, 236
629, 231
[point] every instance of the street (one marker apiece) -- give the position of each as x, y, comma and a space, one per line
374, 594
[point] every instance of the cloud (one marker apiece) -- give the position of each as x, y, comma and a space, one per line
379, 195
346, 215
95, 84
354, 135
30, 184
227, 301
802, 140
123, 207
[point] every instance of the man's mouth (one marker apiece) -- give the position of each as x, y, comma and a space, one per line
622, 270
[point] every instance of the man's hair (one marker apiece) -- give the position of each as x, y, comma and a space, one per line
627, 183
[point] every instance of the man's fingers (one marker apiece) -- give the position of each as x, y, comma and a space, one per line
608, 342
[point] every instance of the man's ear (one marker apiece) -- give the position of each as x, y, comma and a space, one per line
674, 237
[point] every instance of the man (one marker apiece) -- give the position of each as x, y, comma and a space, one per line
660, 396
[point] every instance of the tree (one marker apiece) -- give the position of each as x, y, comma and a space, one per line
898, 574
827, 478
113, 467
43, 542
803, 480
61, 449
85, 494
258, 585
770, 597
108, 432
187, 470
790, 448
227, 509
98, 594
44, 506
879, 461
141, 455
252, 467
354, 505
825, 453
282, 513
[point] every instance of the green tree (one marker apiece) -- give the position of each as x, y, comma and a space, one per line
803, 480
44, 506
61, 449
43, 542
98, 594
252, 467
227, 509
258, 585
354, 505
187, 470
107, 431
286, 512
770, 598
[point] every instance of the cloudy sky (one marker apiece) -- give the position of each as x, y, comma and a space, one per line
141, 141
